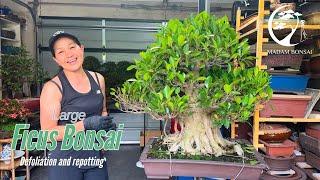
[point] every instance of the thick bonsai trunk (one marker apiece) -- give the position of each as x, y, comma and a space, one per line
198, 136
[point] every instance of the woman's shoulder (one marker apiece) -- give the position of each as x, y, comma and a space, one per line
96, 75
53, 84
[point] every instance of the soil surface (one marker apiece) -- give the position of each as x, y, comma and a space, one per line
160, 151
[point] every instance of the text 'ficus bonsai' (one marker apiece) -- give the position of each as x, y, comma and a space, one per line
196, 72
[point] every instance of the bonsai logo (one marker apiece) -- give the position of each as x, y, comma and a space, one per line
287, 18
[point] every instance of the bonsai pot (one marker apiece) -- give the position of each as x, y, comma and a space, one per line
310, 144
315, 64
165, 168
283, 60
313, 160
299, 175
286, 106
279, 163
315, 133
31, 103
289, 83
274, 133
284, 149
300, 158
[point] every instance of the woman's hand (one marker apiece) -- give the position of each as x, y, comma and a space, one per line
99, 123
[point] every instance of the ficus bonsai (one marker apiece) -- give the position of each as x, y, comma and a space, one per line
197, 71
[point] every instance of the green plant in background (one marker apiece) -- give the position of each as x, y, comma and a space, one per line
196, 72
12, 112
39, 74
116, 73
20, 68
91, 63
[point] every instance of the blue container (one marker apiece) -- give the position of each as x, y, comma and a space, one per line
5, 10
184, 178
289, 83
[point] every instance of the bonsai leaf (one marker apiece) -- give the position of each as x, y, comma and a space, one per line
227, 88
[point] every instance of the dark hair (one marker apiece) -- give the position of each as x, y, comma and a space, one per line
58, 35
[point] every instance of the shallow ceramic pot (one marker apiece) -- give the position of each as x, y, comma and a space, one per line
309, 143
289, 83
299, 175
313, 132
283, 60
313, 160
286, 106
33, 104
279, 163
284, 149
165, 168
274, 133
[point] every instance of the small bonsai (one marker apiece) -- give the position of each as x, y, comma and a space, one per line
19, 68
197, 72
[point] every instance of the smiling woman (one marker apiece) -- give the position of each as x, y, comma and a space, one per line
74, 89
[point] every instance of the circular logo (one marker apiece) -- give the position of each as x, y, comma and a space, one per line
286, 19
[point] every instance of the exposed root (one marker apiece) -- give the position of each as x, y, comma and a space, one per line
199, 137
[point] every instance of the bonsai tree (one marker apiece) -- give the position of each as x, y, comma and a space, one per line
197, 72
20, 68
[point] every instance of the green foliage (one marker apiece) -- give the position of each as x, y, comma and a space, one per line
234, 92
196, 64
91, 63
116, 74
19, 68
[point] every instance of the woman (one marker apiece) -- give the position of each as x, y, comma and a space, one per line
73, 96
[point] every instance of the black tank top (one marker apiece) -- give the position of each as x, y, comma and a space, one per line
90, 103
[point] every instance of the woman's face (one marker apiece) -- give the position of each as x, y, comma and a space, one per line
68, 54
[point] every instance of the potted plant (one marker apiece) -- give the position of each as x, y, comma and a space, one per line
15, 70
22, 76
11, 113
196, 72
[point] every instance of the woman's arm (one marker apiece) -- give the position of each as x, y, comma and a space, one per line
50, 109
103, 89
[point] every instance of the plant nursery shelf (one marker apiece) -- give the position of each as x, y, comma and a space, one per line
4, 19
8, 39
288, 120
